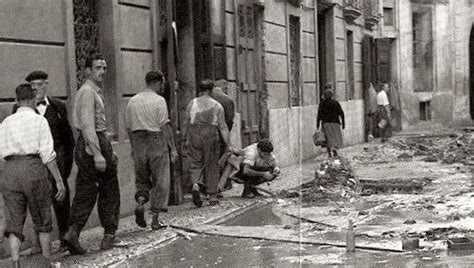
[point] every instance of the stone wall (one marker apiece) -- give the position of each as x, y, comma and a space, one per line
449, 99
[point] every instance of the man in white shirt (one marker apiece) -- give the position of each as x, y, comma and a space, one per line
26, 144
151, 137
258, 166
383, 113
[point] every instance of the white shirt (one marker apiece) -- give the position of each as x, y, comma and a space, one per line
146, 111
252, 157
26, 132
382, 98
42, 108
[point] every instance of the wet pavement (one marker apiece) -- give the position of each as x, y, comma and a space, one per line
425, 200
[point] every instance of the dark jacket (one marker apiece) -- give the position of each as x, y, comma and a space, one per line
56, 114
228, 105
329, 112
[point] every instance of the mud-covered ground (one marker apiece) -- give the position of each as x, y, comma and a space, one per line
417, 186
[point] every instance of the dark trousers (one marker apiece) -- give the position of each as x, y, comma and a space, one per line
61, 208
25, 186
204, 150
382, 114
252, 180
152, 168
91, 183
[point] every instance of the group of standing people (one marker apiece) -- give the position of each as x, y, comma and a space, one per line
331, 118
37, 144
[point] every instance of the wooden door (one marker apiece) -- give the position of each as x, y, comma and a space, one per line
248, 69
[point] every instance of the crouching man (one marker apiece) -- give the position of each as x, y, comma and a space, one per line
26, 144
257, 167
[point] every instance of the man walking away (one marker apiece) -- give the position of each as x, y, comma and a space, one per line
95, 159
26, 144
149, 130
54, 110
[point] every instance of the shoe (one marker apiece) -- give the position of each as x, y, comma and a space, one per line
248, 195
140, 216
156, 224
196, 196
213, 200
71, 241
107, 242
255, 192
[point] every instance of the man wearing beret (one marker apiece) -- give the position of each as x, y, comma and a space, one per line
55, 112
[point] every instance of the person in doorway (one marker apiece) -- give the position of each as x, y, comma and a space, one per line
54, 110
27, 146
258, 166
383, 117
95, 159
331, 115
205, 121
149, 130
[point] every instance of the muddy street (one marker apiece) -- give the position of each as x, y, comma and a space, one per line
408, 210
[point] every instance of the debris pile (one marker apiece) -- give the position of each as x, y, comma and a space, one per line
449, 148
333, 181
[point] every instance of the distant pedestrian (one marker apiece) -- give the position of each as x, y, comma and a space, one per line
95, 159
27, 146
205, 121
258, 166
149, 130
384, 117
331, 115
54, 110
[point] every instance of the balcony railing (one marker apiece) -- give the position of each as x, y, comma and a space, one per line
352, 9
371, 13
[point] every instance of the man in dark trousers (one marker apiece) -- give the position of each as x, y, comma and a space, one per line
54, 110
95, 159
26, 144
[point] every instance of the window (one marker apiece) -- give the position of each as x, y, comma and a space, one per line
425, 111
295, 60
388, 16
350, 65
422, 47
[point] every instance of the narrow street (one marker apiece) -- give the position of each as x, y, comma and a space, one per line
417, 186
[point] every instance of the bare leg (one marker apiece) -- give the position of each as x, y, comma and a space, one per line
45, 240
15, 245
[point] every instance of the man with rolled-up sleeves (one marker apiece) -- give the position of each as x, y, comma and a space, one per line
96, 161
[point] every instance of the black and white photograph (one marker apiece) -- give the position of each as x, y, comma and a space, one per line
236, 133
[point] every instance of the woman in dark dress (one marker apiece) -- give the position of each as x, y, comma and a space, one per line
331, 115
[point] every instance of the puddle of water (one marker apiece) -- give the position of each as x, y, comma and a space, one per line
267, 214
214, 251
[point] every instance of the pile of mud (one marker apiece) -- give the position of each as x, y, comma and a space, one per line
449, 149
334, 181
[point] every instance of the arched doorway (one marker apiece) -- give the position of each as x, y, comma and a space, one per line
471, 72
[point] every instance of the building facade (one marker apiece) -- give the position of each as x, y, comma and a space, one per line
277, 56
431, 60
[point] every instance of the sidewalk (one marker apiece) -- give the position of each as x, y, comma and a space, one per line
135, 240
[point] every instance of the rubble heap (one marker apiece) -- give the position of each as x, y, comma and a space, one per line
449, 149
333, 181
